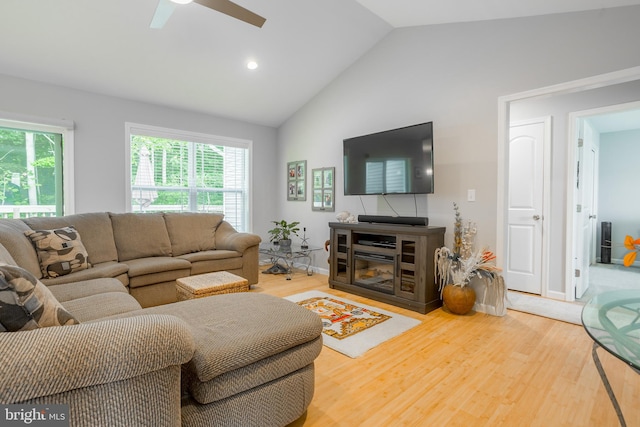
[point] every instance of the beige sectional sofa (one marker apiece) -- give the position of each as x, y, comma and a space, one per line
242, 359
146, 252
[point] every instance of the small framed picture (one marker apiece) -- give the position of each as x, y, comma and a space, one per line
327, 202
323, 189
317, 199
297, 180
328, 178
300, 189
317, 178
301, 169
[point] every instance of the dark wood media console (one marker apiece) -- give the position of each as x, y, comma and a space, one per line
386, 262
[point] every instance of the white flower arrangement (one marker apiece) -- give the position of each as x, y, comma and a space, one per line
458, 266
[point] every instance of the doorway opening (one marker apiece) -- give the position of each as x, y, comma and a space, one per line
593, 92
613, 133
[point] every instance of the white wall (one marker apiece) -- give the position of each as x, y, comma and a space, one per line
452, 75
618, 200
100, 137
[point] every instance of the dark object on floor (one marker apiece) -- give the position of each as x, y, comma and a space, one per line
605, 248
276, 269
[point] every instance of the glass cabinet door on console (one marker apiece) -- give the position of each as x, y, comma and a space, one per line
407, 274
340, 256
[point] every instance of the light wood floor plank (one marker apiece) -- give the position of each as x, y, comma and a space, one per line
473, 370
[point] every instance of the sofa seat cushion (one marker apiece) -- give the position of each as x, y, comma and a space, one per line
244, 340
140, 235
145, 271
85, 288
26, 303
210, 255
98, 306
110, 269
218, 260
192, 231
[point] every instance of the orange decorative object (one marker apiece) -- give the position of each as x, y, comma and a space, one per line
458, 299
633, 246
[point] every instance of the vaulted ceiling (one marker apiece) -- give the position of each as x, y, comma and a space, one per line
197, 61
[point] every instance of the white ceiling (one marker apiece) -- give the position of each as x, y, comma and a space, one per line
197, 61
407, 13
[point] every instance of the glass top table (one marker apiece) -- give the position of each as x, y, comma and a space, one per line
612, 320
283, 258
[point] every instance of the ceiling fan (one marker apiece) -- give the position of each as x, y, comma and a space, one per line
166, 7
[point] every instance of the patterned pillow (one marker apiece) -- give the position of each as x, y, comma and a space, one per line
60, 251
26, 303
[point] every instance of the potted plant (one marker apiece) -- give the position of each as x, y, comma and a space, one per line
282, 232
456, 268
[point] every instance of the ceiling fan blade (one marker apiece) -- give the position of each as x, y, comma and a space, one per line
163, 12
229, 8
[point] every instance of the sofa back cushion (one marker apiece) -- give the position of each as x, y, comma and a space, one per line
95, 229
60, 251
191, 231
140, 235
19, 246
5, 256
27, 303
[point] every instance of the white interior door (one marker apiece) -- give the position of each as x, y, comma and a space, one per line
523, 266
585, 212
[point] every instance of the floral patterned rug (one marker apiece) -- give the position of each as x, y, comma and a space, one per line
352, 328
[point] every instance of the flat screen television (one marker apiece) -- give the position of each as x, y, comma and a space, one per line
397, 161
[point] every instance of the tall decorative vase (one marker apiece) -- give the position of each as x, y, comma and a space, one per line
458, 299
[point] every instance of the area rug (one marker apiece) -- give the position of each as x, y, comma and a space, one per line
352, 328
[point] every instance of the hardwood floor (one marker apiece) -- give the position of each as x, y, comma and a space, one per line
473, 370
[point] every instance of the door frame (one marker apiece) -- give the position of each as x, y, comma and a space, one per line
571, 159
577, 126
598, 81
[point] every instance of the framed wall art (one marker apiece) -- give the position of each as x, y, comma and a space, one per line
323, 189
297, 180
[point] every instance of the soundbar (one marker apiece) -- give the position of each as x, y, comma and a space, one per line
402, 220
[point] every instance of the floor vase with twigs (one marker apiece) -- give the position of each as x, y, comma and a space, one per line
458, 299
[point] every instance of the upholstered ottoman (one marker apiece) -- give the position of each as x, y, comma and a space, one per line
253, 364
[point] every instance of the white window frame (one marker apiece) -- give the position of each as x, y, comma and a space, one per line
60, 126
183, 135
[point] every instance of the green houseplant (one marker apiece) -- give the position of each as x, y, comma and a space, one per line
282, 232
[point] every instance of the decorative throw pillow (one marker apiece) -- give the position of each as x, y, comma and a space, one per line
60, 251
26, 303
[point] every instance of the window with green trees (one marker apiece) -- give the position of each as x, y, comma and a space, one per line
174, 173
31, 171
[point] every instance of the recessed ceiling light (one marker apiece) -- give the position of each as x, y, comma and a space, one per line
252, 65
182, 1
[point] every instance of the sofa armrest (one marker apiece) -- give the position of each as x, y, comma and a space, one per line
230, 239
54, 360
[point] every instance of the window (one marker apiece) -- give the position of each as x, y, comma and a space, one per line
183, 171
31, 168
386, 176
